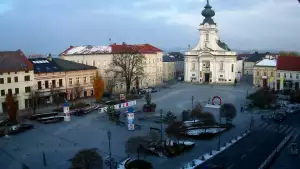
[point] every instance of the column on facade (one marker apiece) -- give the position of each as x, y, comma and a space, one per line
197, 69
200, 70
213, 77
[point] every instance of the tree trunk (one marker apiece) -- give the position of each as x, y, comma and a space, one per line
127, 87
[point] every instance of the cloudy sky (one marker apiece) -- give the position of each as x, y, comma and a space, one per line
43, 26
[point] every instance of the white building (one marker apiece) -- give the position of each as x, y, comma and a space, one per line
211, 61
101, 57
16, 78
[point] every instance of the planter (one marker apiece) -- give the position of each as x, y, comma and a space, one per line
138, 164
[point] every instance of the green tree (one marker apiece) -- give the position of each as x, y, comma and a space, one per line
87, 159
127, 64
112, 113
174, 129
148, 98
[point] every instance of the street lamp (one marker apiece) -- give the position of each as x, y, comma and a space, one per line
161, 126
109, 138
192, 102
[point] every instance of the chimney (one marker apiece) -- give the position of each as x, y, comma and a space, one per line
49, 57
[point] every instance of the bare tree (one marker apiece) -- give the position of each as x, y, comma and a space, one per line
33, 100
228, 111
208, 118
174, 129
77, 90
87, 159
109, 86
54, 92
197, 111
127, 64
153, 136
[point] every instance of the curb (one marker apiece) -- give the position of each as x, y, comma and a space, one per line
197, 162
266, 163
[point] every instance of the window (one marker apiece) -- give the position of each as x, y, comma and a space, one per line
53, 83
297, 76
16, 72
16, 79
77, 80
2, 92
60, 82
222, 65
232, 68
284, 75
257, 73
8, 73
193, 66
39, 85
26, 78
26, 71
27, 89
70, 81
204, 65
8, 80
221, 75
84, 79
271, 74
46, 84
1, 81
91, 79
207, 37
265, 73
94, 63
291, 76
10, 91
278, 74
16, 90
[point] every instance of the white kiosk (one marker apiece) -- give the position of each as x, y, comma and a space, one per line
216, 106
66, 107
130, 119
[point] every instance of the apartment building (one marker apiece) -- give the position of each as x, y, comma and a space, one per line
264, 73
169, 68
16, 78
65, 78
288, 72
101, 57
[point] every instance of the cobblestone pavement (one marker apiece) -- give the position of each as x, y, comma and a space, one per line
61, 141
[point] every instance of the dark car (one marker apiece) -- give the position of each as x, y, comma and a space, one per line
153, 90
279, 117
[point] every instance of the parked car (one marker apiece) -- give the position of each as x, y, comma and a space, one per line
153, 90
292, 109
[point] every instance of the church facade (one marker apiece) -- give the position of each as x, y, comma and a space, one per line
211, 61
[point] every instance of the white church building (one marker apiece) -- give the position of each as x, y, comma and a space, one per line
211, 61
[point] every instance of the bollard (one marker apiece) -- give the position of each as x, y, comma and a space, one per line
202, 158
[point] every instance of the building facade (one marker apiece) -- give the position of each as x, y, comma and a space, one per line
211, 61
264, 73
288, 73
16, 78
57, 77
169, 68
101, 57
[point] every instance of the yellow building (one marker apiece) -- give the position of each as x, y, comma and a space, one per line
101, 57
264, 73
169, 68
16, 78
65, 78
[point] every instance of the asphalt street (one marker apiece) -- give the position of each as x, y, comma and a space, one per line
61, 141
252, 150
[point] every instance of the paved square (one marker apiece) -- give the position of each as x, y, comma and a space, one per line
61, 141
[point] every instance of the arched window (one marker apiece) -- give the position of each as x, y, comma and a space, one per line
232, 68
207, 37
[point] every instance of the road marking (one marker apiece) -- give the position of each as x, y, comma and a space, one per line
252, 148
231, 166
289, 129
243, 156
284, 128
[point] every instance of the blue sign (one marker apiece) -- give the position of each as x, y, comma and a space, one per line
130, 110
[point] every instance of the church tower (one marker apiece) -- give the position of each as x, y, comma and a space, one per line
209, 38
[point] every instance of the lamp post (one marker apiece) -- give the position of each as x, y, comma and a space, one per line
192, 102
109, 138
219, 135
161, 126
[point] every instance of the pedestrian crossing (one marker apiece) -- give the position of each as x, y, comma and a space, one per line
278, 128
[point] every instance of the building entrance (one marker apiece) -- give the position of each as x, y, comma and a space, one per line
206, 77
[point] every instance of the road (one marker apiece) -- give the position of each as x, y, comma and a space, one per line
251, 151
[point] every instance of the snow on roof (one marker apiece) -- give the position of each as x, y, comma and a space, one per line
267, 62
88, 50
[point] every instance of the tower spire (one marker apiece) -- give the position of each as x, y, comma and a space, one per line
207, 2
208, 13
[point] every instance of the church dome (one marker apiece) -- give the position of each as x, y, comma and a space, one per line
208, 13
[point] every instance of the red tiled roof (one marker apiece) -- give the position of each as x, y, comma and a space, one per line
291, 63
143, 48
14, 61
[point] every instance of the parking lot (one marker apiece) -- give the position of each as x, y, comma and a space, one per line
60, 141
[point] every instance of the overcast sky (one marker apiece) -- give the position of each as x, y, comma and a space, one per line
43, 26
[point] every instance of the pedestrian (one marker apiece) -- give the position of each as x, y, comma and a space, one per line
241, 109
